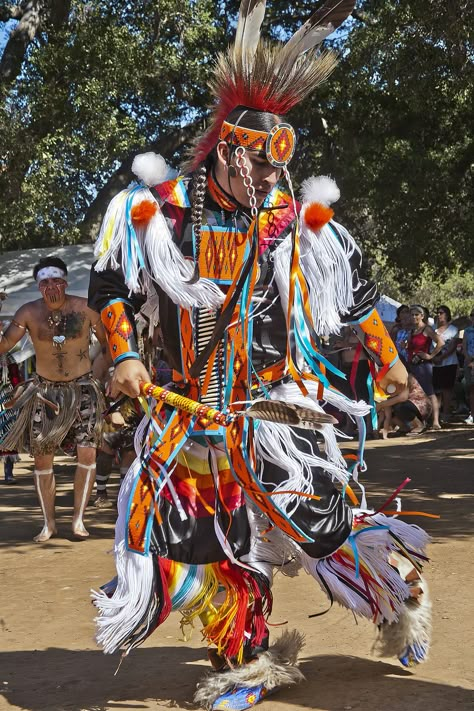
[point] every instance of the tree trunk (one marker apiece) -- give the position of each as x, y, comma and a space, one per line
31, 15
166, 145
20, 38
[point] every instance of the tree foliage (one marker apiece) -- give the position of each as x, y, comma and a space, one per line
399, 114
117, 77
454, 288
88, 83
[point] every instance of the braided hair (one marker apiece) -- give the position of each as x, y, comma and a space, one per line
198, 196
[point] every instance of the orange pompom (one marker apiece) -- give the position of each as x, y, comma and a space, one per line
143, 212
317, 215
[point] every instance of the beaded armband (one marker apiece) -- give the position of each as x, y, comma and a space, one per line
376, 340
120, 331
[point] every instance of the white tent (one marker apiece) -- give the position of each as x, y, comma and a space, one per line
387, 308
16, 273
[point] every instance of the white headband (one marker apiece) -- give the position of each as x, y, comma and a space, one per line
50, 273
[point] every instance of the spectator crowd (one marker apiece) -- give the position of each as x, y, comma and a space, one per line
440, 362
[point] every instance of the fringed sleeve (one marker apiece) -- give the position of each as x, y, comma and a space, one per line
331, 263
137, 239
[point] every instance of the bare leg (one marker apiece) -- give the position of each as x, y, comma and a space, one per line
83, 484
387, 423
45, 484
416, 426
435, 405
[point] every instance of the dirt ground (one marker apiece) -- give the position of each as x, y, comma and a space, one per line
49, 661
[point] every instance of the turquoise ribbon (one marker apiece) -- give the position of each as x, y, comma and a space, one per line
133, 246
352, 542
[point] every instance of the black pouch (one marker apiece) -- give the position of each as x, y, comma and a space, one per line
328, 520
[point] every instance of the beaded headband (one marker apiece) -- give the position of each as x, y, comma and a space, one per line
278, 144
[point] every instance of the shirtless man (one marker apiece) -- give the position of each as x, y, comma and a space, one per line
61, 405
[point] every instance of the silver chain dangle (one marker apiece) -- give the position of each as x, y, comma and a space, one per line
247, 178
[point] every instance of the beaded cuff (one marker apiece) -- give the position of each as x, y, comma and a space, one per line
376, 340
120, 329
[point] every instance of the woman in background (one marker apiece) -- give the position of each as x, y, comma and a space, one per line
420, 355
400, 331
445, 364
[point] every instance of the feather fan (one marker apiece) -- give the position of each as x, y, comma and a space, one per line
285, 413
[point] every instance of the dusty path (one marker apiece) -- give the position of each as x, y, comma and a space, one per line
49, 661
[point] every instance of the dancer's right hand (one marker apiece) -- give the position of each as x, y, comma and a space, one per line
127, 378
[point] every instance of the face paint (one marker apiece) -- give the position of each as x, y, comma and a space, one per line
53, 290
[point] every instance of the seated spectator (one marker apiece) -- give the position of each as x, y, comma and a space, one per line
410, 408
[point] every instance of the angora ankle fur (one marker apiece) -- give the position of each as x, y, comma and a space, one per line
414, 623
277, 667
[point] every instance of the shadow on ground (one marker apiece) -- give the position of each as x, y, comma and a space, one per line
65, 680
440, 470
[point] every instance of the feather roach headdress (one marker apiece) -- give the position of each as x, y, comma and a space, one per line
271, 77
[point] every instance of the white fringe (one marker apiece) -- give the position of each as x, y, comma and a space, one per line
412, 535
163, 260
373, 548
326, 267
171, 270
269, 548
121, 613
274, 444
290, 392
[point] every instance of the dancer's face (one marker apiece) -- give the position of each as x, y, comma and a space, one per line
53, 291
264, 175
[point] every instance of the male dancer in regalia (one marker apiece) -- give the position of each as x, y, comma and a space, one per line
244, 279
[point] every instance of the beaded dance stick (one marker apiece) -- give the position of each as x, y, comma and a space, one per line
184, 403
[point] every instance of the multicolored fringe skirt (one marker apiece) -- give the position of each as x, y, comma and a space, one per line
231, 595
